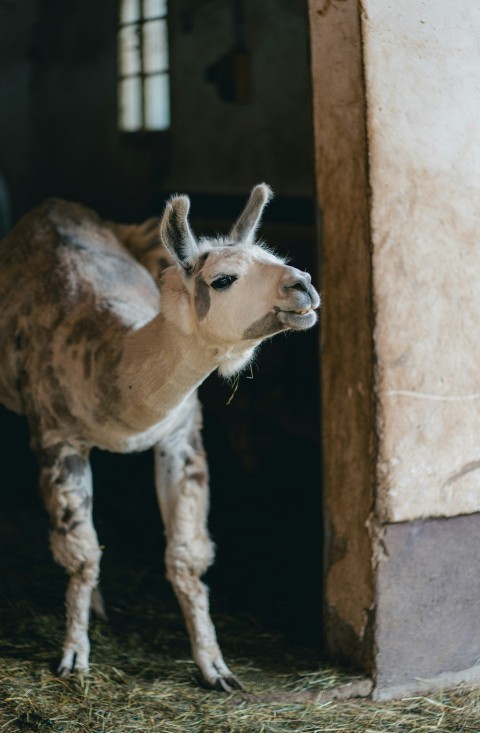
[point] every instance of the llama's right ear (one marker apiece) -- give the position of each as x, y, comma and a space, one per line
246, 225
175, 232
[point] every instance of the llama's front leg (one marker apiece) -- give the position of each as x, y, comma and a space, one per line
66, 484
182, 487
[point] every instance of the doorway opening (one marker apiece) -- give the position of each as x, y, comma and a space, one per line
224, 137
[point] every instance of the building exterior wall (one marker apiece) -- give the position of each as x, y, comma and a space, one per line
405, 77
422, 66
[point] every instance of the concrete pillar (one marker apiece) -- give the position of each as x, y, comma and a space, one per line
396, 110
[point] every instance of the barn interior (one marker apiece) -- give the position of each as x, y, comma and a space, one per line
75, 123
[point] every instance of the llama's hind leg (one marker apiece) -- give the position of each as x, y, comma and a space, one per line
66, 484
182, 487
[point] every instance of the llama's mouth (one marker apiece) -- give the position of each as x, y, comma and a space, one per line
298, 319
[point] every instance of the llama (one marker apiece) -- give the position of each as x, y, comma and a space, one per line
106, 333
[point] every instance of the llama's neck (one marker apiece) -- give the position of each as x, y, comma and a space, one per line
160, 368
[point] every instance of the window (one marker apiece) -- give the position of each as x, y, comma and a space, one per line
143, 74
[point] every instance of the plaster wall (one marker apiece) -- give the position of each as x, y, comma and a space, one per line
422, 67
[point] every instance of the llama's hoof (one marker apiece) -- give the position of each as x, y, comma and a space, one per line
219, 677
228, 684
72, 662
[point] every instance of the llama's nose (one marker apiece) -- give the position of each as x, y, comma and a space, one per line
297, 281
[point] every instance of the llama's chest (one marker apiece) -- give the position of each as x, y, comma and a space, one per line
119, 438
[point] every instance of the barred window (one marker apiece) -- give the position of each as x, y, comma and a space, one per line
143, 69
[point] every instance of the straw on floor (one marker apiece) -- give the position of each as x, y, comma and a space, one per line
142, 678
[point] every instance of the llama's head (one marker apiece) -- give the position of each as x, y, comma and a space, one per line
232, 292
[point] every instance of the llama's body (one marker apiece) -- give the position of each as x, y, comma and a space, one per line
95, 351
69, 292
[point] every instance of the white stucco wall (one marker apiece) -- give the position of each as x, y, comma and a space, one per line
422, 70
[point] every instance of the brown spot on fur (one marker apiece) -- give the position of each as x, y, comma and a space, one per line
65, 530
199, 264
87, 364
107, 384
74, 525
60, 409
196, 442
199, 476
84, 329
114, 395
202, 298
265, 326
67, 516
70, 519
48, 457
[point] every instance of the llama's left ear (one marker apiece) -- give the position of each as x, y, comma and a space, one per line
175, 232
246, 225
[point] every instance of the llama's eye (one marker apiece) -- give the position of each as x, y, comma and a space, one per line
223, 281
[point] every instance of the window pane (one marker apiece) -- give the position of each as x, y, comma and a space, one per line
130, 100
154, 8
129, 49
155, 46
129, 11
157, 102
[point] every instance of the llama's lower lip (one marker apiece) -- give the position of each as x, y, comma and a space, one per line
298, 319
303, 312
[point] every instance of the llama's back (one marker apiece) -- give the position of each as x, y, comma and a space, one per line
64, 277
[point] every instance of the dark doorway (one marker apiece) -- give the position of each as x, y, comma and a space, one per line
62, 138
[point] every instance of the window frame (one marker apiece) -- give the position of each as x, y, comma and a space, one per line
143, 131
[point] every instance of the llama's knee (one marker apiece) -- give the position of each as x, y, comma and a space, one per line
187, 562
77, 550
73, 539
66, 486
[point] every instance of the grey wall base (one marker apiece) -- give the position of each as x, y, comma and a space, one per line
427, 628
422, 686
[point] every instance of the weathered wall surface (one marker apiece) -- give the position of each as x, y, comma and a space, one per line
400, 81
422, 66
427, 634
